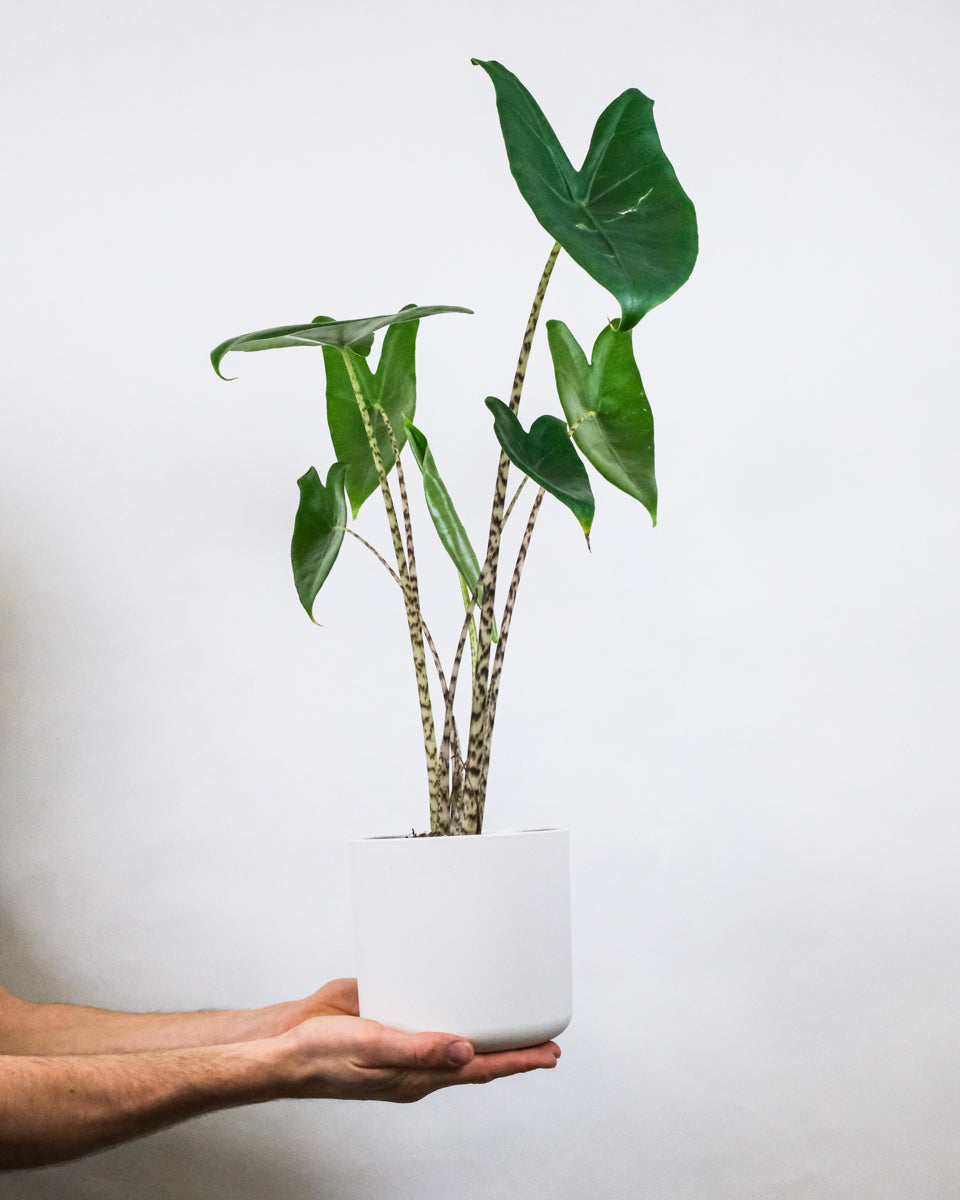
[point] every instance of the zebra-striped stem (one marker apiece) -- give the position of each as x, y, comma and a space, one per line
516, 497
443, 791
468, 819
404, 505
494, 689
450, 737
447, 697
411, 604
376, 554
434, 652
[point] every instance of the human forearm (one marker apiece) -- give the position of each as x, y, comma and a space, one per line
57, 1108
67, 1029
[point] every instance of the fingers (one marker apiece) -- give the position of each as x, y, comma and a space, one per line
352, 1058
426, 1051
450, 1060
486, 1067
432, 1051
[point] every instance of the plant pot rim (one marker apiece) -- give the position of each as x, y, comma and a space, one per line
454, 837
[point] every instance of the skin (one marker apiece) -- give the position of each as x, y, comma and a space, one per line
74, 1080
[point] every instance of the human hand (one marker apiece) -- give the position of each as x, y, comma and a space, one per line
338, 998
350, 1058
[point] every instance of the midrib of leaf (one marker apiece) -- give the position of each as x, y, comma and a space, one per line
613, 453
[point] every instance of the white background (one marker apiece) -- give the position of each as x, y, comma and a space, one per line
747, 716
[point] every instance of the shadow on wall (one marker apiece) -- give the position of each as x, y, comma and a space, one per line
193, 1162
213, 1157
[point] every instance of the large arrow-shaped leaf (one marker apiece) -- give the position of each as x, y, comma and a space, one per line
317, 532
321, 331
623, 216
607, 409
547, 455
392, 387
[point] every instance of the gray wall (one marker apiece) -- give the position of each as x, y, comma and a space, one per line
758, 760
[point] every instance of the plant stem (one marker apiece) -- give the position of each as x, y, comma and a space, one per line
435, 654
468, 817
449, 724
411, 603
516, 497
494, 690
404, 504
376, 554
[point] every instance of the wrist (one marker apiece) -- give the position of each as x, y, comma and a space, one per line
274, 1020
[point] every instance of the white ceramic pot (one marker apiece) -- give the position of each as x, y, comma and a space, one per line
465, 935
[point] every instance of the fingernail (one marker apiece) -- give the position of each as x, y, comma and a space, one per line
460, 1053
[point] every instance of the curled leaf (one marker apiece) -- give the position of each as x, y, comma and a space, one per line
322, 331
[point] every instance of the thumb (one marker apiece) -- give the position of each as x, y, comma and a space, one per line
398, 1049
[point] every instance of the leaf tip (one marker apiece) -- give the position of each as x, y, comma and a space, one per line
216, 358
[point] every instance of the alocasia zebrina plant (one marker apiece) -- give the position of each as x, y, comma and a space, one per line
626, 220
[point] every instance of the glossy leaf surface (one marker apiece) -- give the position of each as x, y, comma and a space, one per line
392, 386
607, 409
449, 527
547, 455
322, 331
317, 532
623, 216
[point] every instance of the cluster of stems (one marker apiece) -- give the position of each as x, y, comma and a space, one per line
457, 783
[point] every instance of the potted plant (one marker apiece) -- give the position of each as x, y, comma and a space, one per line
626, 220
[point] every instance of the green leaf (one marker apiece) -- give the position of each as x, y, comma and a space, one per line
317, 532
361, 346
392, 387
607, 409
547, 455
623, 216
449, 527
322, 331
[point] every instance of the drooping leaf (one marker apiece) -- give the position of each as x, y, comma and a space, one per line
623, 216
318, 531
361, 346
607, 409
547, 455
392, 387
446, 521
324, 332
449, 527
